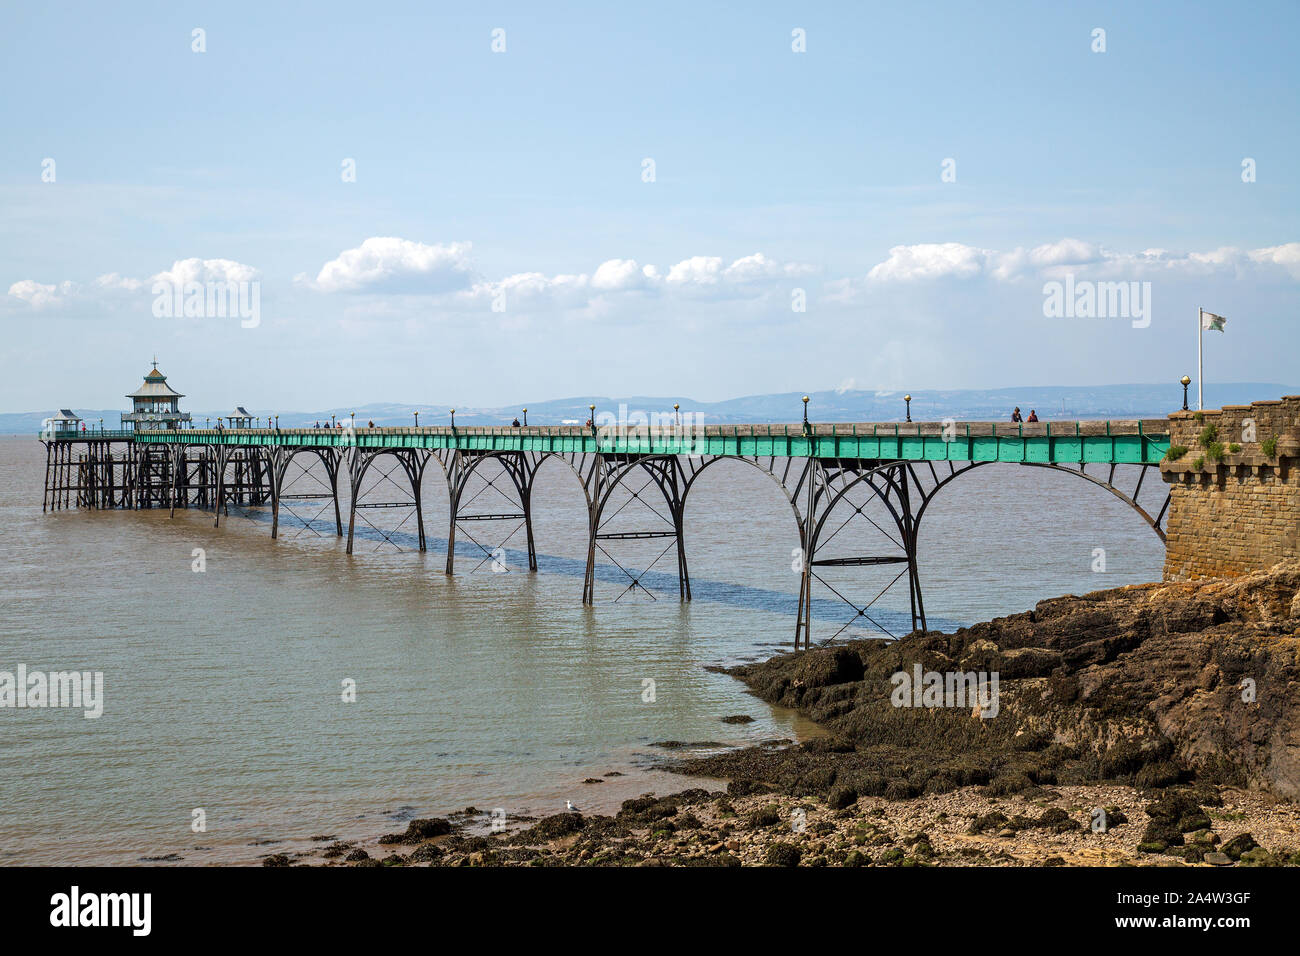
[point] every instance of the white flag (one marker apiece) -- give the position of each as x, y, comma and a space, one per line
1211, 322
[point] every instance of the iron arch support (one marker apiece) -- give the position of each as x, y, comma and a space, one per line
1131, 501
889, 482
329, 457
520, 467
255, 456
359, 462
778, 480
608, 473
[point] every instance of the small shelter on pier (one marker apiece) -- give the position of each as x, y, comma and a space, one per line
240, 418
64, 423
156, 405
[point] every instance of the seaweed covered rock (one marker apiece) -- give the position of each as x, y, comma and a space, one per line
649, 810
417, 831
425, 853
764, 817
842, 797
552, 828
1150, 686
1058, 821
1238, 846
783, 854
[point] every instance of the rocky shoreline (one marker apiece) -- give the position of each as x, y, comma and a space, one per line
1224, 827
1150, 725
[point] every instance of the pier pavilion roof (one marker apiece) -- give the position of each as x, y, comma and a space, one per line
65, 415
240, 412
155, 386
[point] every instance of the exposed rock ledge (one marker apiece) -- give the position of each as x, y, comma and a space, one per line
1148, 685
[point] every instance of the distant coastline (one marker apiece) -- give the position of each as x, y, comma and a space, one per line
828, 405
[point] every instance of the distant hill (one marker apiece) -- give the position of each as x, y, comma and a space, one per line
1050, 401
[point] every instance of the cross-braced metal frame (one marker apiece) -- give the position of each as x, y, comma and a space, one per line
296, 482
829, 485
244, 478
411, 463
607, 475
491, 493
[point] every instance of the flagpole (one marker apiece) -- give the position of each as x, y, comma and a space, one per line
1200, 366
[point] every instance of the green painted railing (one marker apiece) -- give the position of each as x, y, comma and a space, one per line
88, 433
1116, 442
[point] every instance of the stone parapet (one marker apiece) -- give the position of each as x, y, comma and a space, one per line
1234, 477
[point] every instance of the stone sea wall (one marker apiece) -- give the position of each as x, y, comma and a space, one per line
1235, 490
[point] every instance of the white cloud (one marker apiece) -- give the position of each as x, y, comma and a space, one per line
112, 282
699, 275
534, 287
697, 270
38, 295
931, 260
620, 274
113, 286
759, 266
955, 260
1065, 252
1287, 256
390, 264
191, 270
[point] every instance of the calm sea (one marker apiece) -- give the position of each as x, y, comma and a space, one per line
223, 688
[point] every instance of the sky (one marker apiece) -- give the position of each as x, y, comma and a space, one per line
427, 204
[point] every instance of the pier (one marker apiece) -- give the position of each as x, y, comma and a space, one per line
826, 472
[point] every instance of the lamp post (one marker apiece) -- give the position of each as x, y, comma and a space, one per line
453, 418
592, 419
277, 422
417, 419
354, 426
908, 399
525, 418
805, 414
1185, 381
677, 415
207, 424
